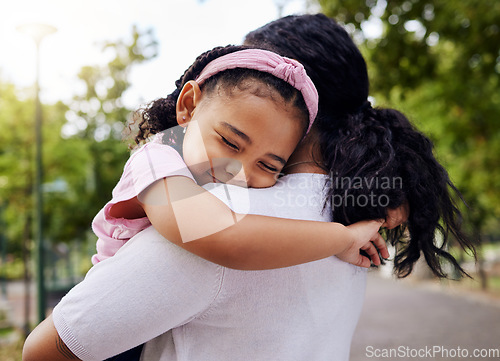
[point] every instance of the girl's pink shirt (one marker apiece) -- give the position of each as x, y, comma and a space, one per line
151, 162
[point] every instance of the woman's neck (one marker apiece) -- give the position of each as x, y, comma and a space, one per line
306, 157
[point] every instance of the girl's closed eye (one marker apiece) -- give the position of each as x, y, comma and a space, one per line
228, 143
269, 168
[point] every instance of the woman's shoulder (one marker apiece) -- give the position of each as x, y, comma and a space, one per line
304, 180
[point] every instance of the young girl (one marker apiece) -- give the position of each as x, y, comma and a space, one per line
243, 112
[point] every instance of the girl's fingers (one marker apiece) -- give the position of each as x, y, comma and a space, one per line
381, 245
372, 252
363, 262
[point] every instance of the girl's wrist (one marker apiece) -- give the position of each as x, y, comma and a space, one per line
344, 237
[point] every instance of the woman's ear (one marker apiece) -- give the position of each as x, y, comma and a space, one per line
187, 101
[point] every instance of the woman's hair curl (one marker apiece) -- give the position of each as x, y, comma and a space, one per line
379, 160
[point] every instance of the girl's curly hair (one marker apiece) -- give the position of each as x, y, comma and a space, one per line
160, 115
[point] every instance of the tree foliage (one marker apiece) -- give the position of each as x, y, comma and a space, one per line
83, 151
17, 140
439, 61
98, 116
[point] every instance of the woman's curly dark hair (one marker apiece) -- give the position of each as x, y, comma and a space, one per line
160, 115
358, 143
379, 160
330, 57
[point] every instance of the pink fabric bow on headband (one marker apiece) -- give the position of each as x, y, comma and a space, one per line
266, 61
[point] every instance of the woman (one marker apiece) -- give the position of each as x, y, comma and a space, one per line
191, 309
339, 73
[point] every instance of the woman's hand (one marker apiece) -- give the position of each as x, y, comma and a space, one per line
366, 238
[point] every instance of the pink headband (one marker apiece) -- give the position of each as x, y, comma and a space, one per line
283, 68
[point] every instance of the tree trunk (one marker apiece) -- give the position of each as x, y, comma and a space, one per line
26, 274
483, 276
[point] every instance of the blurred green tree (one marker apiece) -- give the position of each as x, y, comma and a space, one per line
17, 159
439, 62
83, 149
99, 117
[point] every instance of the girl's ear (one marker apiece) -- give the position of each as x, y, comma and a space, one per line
187, 101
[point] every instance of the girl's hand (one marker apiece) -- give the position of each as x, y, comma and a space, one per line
366, 238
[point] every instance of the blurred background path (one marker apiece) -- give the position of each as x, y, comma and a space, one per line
410, 316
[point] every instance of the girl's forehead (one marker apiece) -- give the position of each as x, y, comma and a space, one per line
250, 111
251, 86
226, 96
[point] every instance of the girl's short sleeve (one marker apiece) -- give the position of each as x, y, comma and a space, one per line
150, 163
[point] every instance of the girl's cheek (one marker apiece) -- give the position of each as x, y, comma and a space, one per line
265, 182
194, 150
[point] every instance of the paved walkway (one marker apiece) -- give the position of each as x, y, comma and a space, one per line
16, 303
420, 322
